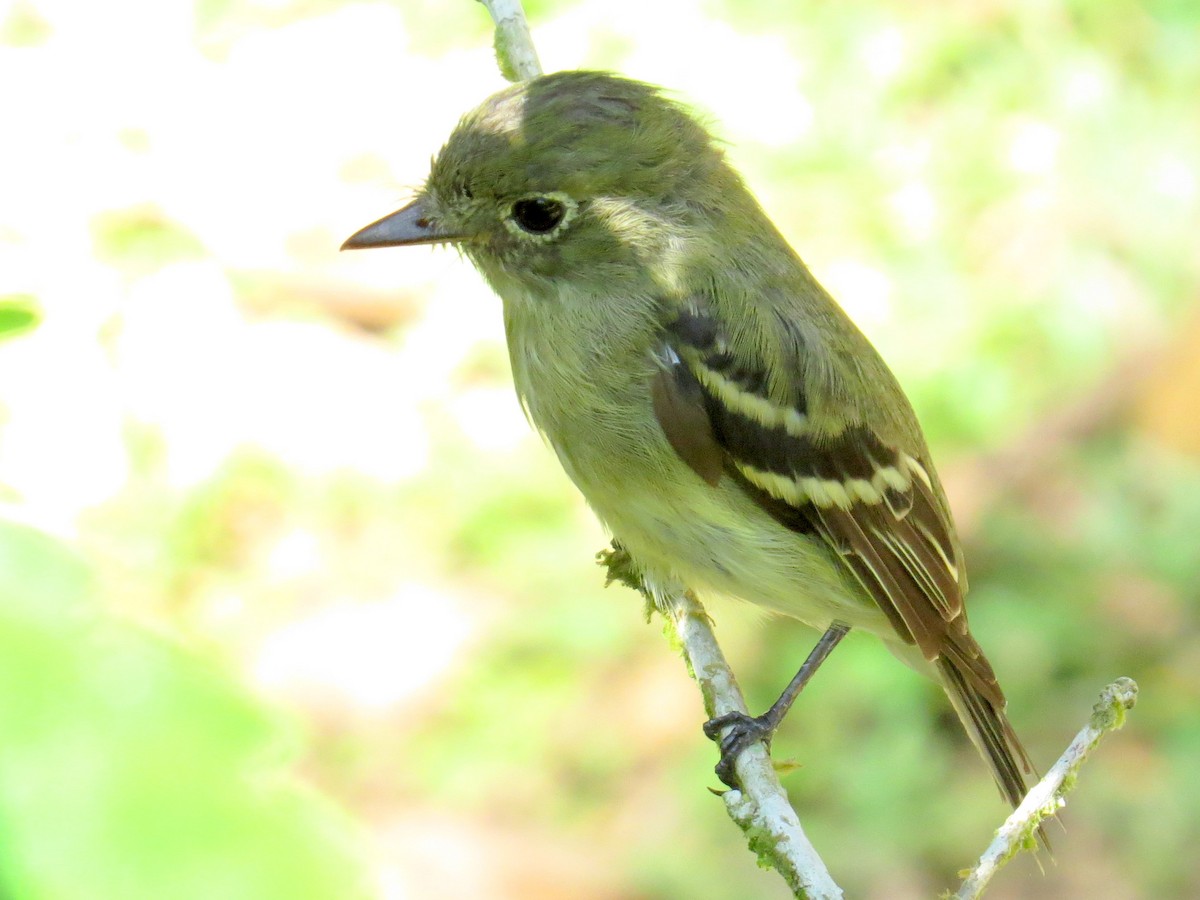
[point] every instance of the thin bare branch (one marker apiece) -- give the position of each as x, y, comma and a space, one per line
1047, 797
761, 808
515, 52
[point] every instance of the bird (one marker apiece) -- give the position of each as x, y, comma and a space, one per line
724, 418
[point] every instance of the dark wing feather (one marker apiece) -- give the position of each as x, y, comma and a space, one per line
678, 402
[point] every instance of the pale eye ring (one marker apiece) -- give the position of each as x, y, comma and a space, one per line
539, 214
540, 217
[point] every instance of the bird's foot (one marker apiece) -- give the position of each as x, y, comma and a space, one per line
743, 731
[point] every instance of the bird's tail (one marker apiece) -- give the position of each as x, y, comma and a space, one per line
980, 705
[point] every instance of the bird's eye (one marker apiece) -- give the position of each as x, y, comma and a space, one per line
538, 215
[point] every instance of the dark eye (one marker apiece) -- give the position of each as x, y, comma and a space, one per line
538, 215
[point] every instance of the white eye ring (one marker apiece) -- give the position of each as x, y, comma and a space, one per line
540, 217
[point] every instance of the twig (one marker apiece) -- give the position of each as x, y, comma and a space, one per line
1047, 797
761, 809
515, 53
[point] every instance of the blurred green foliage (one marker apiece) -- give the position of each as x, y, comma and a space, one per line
142, 240
18, 314
129, 768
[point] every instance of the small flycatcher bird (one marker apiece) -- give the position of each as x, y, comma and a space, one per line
725, 419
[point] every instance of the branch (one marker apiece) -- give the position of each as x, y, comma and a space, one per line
1047, 797
761, 809
515, 53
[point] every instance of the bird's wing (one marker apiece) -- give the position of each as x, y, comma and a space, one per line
873, 503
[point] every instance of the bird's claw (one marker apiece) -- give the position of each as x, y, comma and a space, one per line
743, 731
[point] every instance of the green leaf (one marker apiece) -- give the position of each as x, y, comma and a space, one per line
18, 314
131, 768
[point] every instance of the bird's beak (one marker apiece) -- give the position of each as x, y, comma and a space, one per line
404, 227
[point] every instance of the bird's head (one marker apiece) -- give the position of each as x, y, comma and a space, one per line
576, 176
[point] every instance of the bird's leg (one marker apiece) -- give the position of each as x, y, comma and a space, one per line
744, 730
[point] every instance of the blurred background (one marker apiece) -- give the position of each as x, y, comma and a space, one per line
294, 605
